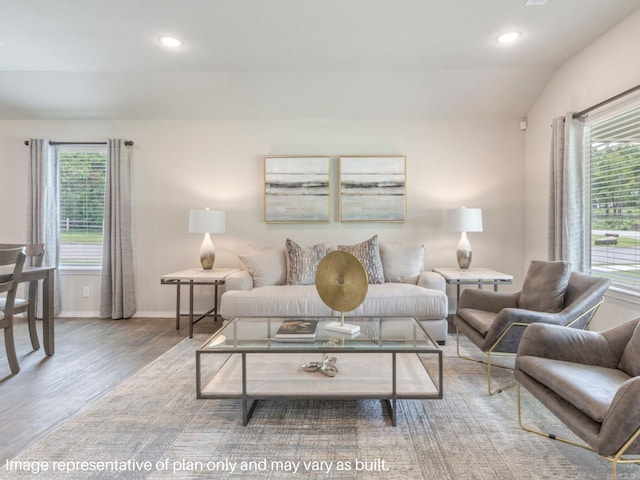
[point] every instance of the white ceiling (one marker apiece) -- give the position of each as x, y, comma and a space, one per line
100, 59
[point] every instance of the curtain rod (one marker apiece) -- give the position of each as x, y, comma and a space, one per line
608, 100
128, 143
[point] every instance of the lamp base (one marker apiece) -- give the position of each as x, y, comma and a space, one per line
207, 253
464, 252
343, 328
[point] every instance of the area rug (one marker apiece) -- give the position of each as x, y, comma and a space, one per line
152, 427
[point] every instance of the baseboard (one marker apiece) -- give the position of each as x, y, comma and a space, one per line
85, 314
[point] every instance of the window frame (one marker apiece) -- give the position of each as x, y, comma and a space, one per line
628, 291
79, 147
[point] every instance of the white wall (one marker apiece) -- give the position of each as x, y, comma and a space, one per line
605, 68
186, 164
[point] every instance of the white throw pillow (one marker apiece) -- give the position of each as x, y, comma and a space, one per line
402, 263
267, 267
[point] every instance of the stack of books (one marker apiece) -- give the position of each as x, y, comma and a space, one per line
297, 330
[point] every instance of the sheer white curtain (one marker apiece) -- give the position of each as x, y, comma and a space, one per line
117, 292
43, 222
569, 228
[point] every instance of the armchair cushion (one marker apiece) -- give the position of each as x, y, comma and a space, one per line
589, 388
480, 320
630, 361
544, 286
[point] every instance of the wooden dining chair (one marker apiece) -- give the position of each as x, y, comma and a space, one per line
34, 253
9, 285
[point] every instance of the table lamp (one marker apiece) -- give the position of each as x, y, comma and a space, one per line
206, 221
464, 220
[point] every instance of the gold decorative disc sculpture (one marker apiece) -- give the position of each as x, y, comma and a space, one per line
342, 284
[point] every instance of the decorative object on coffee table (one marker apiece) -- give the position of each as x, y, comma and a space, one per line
297, 330
464, 220
341, 281
207, 221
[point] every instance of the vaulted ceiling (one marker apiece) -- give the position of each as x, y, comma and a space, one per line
100, 59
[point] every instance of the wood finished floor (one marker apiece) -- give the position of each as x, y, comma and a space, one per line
92, 356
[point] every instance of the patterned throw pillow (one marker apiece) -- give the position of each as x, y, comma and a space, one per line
369, 255
302, 262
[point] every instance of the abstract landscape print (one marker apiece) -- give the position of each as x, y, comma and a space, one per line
372, 189
296, 189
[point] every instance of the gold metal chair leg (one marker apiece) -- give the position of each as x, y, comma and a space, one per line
487, 363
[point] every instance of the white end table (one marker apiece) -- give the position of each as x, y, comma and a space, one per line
196, 276
474, 276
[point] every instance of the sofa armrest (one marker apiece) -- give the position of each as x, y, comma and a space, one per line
622, 420
432, 281
240, 280
567, 344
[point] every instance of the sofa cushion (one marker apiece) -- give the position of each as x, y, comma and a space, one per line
368, 253
302, 262
268, 267
588, 388
402, 300
402, 263
274, 301
544, 286
630, 361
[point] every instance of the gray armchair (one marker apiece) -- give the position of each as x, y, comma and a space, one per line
551, 293
590, 381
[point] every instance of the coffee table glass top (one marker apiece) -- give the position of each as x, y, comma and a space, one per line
394, 334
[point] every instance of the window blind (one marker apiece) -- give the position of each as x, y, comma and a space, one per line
612, 157
82, 177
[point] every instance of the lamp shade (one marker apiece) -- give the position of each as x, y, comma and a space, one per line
464, 220
206, 221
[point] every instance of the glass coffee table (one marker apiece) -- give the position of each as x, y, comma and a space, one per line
391, 358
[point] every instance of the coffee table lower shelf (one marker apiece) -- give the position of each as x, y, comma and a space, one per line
252, 376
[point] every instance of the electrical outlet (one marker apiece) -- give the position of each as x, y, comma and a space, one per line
85, 292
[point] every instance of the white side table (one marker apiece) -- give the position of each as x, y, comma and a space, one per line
474, 276
196, 276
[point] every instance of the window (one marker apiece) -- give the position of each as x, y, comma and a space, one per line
612, 157
82, 177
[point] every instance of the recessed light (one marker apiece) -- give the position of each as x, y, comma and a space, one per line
508, 37
170, 41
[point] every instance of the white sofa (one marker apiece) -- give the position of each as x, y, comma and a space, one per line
408, 290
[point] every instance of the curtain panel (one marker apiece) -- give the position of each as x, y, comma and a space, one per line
117, 292
42, 209
569, 228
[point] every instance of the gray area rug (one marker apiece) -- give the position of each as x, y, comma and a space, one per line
152, 427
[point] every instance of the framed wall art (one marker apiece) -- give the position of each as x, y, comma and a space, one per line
296, 189
372, 188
